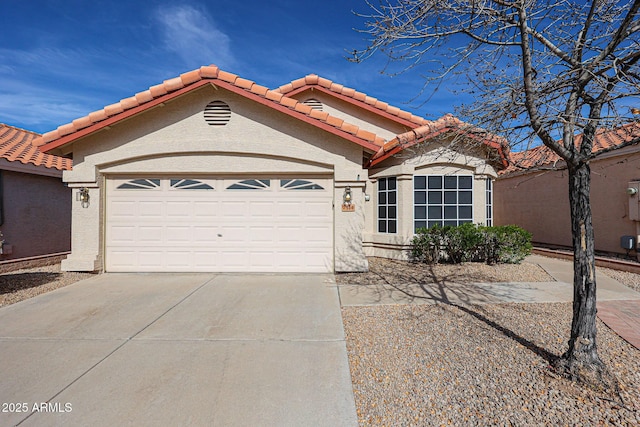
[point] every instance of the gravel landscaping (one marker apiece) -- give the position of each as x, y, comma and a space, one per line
418, 365
19, 285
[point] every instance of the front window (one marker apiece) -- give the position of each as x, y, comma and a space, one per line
387, 205
442, 200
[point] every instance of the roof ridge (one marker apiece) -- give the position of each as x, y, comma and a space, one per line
315, 80
178, 85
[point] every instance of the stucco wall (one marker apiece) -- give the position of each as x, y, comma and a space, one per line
539, 202
175, 138
37, 215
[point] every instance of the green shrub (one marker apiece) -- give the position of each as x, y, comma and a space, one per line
463, 243
469, 242
426, 245
514, 244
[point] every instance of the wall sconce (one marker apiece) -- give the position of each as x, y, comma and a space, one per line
346, 197
347, 204
82, 196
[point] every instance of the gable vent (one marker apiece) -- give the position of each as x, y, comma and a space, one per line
217, 113
313, 103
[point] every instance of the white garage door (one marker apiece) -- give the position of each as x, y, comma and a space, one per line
236, 225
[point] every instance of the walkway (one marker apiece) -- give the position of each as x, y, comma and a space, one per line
619, 312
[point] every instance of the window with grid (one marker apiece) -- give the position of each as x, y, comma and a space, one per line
489, 198
387, 205
442, 200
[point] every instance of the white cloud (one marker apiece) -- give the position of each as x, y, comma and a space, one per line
193, 36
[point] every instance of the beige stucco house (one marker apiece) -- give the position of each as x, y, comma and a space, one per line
35, 205
531, 194
212, 172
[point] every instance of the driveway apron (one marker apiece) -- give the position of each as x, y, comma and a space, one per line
178, 349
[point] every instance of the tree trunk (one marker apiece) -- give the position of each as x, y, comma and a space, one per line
581, 361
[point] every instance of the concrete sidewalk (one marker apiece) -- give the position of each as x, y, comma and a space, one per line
618, 305
178, 349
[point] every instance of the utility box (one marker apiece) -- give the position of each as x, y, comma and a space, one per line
633, 190
628, 242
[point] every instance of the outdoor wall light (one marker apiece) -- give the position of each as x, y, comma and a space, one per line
346, 197
82, 196
632, 191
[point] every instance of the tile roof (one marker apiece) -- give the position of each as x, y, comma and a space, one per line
186, 82
351, 95
605, 140
444, 125
16, 145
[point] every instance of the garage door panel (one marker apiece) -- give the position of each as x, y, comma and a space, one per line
264, 234
262, 209
205, 234
148, 209
122, 209
149, 234
176, 234
317, 235
205, 209
150, 258
270, 228
233, 209
317, 210
122, 234
181, 209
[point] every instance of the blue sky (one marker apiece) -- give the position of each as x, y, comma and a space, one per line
62, 59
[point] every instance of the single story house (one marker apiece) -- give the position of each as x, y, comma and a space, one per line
209, 171
536, 198
35, 205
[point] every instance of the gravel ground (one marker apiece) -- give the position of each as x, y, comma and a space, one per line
384, 271
22, 284
419, 365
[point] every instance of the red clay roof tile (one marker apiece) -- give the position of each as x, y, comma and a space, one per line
190, 77
444, 124
605, 139
172, 87
313, 80
17, 145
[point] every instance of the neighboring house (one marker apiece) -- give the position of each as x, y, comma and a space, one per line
212, 172
35, 205
538, 199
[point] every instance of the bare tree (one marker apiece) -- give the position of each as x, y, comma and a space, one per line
554, 71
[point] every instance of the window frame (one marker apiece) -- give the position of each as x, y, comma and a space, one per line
387, 206
488, 194
443, 193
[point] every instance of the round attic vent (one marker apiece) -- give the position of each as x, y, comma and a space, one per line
314, 103
217, 113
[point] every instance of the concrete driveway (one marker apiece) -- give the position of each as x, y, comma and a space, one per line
178, 349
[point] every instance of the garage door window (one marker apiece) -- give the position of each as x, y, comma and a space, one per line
189, 184
251, 184
140, 184
299, 184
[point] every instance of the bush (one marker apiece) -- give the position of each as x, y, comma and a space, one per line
514, 244
469, 242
